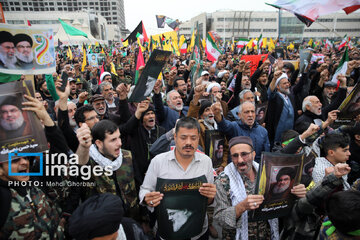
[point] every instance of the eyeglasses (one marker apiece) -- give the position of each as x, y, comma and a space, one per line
244, 155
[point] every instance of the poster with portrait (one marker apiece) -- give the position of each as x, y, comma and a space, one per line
305, 56
182, 210
261, 110
26, 50
349, 108
92, 58
309, 163
277, 174
19, 130
214, 146
147, 79
279, 52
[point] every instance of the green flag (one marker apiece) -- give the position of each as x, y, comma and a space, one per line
197, 56
71, 30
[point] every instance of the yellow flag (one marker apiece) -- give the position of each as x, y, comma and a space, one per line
291, 46
69, 53
271, 45
250, 43
84, 59
160, 76
310, 43
182, 40
192, 41
142, 48
264, 43
204, 43
126, 43
112, 68
96, 44
262, 183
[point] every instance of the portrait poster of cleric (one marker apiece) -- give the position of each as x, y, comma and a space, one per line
28, 49
277, 175
20, 130
181, 209
149, 75
214, 146
350, 107
261, 110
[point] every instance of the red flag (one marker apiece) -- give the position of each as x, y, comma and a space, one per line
28, 23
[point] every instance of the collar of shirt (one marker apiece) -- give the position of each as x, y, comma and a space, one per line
283, 95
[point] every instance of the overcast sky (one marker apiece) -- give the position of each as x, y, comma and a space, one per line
184, 10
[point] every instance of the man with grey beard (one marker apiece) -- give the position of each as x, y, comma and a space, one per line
281, 106
12, 122
175, 109
7, 50
23, 51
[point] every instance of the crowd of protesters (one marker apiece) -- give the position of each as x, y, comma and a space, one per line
93, 118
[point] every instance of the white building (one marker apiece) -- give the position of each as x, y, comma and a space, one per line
250, 24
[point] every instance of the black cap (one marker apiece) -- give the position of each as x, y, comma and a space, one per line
96, 97
22, 37
10, 100
98, 216
330, 84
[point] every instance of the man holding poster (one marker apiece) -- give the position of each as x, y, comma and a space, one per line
176, 168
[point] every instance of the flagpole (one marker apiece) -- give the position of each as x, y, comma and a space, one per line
331, 30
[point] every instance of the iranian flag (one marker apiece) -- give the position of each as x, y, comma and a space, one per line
328, 44
343, 43
341, 69
139, 63
260, 41
242, 42
211, 49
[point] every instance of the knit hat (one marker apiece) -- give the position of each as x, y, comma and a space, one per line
284, 75
150, 108
241, 140
204, 104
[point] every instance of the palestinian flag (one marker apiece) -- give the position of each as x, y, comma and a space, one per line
139, 29
309, 11
211, 49
139, 62
341, 69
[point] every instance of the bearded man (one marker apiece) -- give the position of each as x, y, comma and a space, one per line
23, 51
7, 50
12, 121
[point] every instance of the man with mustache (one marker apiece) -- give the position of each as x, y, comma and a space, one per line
245, 126
235, 195
181, 163
112, 103
7, 50
23, 51
13, 122
175, 109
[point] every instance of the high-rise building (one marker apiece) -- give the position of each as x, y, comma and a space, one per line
112, 10
230, 25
